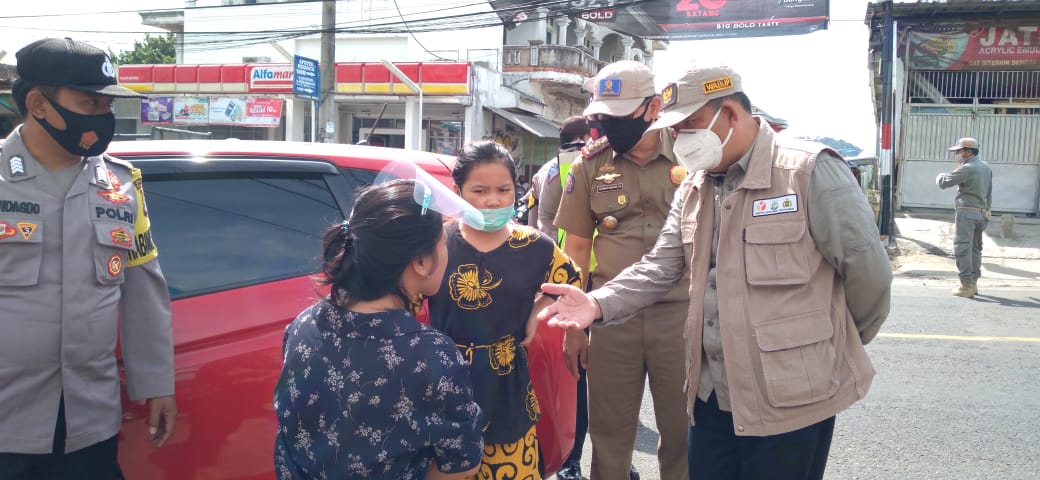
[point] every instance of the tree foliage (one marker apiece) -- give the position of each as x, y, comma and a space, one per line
154, 49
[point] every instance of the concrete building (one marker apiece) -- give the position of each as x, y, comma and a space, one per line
514, 84
9, 113
961, 68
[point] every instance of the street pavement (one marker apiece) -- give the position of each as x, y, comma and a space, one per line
957, 393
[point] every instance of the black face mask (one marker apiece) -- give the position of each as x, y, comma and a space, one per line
84, 135
623, 133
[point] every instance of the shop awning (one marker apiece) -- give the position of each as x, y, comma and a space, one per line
534, 124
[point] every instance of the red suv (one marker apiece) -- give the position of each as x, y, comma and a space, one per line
238, 225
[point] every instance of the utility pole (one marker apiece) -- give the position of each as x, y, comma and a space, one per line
886, 162
327, 114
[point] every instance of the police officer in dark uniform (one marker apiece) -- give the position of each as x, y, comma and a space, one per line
79, 265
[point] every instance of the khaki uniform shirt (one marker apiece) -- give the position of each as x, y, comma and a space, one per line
623, 203
974, 181
78, 267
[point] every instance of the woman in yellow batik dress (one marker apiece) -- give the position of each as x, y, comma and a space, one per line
490, 290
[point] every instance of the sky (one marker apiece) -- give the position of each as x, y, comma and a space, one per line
818, 82
24, 21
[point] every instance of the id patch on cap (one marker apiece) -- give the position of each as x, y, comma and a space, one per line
609, 87
670, 95
717, 85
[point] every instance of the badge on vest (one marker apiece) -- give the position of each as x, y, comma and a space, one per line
773, 206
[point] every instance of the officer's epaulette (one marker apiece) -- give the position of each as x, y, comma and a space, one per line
596, 147
118, 161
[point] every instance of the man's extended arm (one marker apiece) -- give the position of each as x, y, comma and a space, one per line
951, 179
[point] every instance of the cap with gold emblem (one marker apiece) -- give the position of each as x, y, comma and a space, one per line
699, 85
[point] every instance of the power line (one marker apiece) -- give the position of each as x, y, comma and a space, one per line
158, 10
413, 35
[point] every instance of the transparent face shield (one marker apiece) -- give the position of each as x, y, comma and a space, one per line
432, 194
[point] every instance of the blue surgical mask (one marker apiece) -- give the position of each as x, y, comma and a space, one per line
496, 219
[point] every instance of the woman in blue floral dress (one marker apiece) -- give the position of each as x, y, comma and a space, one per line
486, 302
366, 391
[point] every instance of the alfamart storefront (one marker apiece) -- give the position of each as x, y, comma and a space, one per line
256, 101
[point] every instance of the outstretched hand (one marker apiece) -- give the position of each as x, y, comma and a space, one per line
572, 308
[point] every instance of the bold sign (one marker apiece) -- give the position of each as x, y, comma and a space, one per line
683, 19
306, 78
270, 77
967, 48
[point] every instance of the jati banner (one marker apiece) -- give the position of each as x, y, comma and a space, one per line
968, 48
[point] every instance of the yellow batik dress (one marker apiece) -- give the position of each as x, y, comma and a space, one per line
483, 305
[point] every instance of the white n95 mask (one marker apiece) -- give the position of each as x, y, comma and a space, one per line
700, 148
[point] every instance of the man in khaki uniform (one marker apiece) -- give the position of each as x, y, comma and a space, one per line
78, 267
974, 181
789, 281
620, 190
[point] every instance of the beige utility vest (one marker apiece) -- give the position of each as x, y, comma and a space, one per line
792, 354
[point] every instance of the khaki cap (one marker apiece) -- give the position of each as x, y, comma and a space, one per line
619, 89
693, 90
966, 142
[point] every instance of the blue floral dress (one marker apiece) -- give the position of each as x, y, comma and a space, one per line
374, 396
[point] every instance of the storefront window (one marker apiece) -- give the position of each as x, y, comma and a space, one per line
445, 137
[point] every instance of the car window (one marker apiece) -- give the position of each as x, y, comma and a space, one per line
235, 230
356, 179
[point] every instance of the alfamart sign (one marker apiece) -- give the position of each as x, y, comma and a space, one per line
682, 19
270, 77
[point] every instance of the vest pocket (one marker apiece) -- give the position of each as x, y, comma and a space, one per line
21, 250
798, 358
113, 242
774, 255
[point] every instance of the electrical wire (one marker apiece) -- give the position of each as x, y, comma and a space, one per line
447, 20
413, 34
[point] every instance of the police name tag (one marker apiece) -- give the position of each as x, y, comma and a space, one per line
773, 206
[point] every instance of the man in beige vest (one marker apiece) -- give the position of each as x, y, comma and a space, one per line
788, 281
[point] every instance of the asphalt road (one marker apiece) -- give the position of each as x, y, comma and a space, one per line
957, 394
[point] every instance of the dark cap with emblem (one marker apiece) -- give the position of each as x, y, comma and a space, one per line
619, 89
64, 62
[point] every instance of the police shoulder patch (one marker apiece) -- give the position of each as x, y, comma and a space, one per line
596, 147
569, 187
118, 161
554, 170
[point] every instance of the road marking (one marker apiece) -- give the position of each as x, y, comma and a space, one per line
962, 338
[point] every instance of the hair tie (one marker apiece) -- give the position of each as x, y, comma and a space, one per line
345, 226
